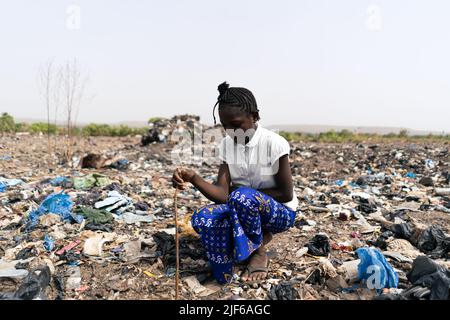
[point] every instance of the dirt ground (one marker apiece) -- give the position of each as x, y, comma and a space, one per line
316, 168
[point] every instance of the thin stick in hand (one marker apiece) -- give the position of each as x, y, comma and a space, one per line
177, 246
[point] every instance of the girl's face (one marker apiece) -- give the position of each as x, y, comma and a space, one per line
235, 120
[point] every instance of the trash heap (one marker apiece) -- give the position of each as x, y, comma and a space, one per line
373, 223
161, 129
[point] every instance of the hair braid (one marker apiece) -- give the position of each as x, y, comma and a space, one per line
236, 97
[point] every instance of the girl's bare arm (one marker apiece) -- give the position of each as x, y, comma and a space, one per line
217, 192
283, 192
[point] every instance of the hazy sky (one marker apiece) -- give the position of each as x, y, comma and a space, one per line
347, 62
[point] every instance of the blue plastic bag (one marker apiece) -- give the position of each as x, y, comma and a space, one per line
11, 182
58, 203
374, 268
339, 183
5, 183
411, 175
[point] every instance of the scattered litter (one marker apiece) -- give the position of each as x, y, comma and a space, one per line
115, 202
8, 269
284, 291
60, 181
73, 281
49, 243
319, 245
301, 252
68, 247
194, 285
131, 218
94, 245
89, 181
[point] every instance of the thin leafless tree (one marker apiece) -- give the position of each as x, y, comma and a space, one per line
46, 78
73, 83
57, 87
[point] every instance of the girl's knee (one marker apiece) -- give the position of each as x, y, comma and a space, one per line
242, 196
201, 212
208, 216
199, 217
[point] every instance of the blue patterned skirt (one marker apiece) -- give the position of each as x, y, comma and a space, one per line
231, 232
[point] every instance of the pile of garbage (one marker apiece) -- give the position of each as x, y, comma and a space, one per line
373, 223
161, 129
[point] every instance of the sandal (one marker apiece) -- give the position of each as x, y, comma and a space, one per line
252, 269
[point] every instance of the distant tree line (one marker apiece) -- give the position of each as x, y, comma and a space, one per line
8, 125
349, 136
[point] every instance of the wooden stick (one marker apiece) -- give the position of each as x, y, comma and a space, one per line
177, 246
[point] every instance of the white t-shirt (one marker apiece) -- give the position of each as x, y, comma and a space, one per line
255, 164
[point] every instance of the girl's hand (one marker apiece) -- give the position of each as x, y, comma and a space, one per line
182, 175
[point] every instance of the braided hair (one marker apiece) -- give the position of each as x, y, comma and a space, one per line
236, 97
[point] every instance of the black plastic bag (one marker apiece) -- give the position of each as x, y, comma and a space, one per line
434, 242
380, 242
427, 273
403, 230
319, 245
283, 291
166, 247
34, 284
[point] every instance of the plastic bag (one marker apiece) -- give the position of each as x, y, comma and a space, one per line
58, 203
375, 270
319, 245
